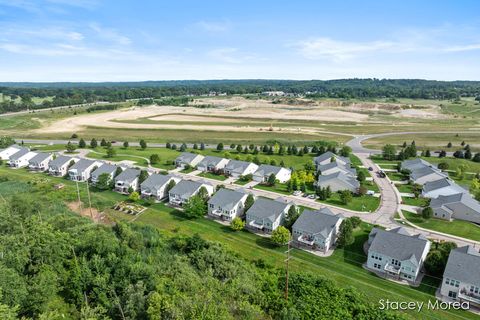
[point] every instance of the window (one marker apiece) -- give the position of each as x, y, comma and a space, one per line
474, 289
452, 294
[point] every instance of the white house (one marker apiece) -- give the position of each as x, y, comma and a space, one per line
461, 278
81, 170
6, 153
128, 179
264, 171
227, 204
155, 186
105, 168
334, 167
212, 164
317, 230
188, 159
20, 159
397, 254
441, 187
237, 168
59, 166
186, 189
267, 215
40, 161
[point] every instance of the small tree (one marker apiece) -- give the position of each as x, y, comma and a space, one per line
237, 224
143, 176
195, 207
220, 147
170, 185
355, 221
93, 143
345, 236
74, 136
81, 143
103, 143
361, 176
125, 144
249, 202
134, 196
143, 144
203, 193
427, 213
118, 170
280, 236
111, 152
154, 159
103, 182
291, 216
202, 146
389, 152
271, 180
345, 151
346, 196
195, 146
70, 147
443, 166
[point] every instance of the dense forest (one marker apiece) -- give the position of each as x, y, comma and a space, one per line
55, 264
75, 93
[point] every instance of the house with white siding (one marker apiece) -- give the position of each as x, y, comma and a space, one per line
186, 189
212, 164
264, 171
40, 161
81, 170
237, 168
188, 159
128, 179
9, 151
58, 167
426, 174
155, 186
227, 204
267, 215
105, 168
328, 157
20, 159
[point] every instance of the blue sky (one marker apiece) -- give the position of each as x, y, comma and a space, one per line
94, 40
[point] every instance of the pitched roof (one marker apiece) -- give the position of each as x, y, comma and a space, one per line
464, 265
128, 175
415, 163
267, 209
187, 157
348, 179
237, 166
20, 153
60, 161
424, 171
398, 244
266, 170
328, 155
82, 165
40, 157
156, 181
321, 221
439, 184
186, 188
104, 168
210, 161
336, 164
464, 197
226, 199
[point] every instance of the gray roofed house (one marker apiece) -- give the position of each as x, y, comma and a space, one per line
20, 153
424, 174
264, 171
58, 166
212, 163
188, 158
81, 170
227, 204
20, 159
460, 206
266, 214
334, 167
126, 180
107, 168
338, 181
461, 278
40, 161
326, 158
441, 187
9, 151
396, 253
414, 164
156, 185
185, 189
317, 229
237, 168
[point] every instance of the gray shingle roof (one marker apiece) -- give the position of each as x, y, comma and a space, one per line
20, 153
464, 198
40, 157
226, 199
424, 171
266, 170
60, 161
210, 161
320, 221
336, 164
266, 208
398, 244
328, 155
464, 265
186, 188
348, 179
415, 164
82, 165
187, 157
128, 175
439, 184
104, 168
237, 166
156, 181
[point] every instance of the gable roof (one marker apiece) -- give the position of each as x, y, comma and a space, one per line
210, 161
226, 199
464, 198
40, 157
60, 161
415, 164
82, 165
266, 170
186, 188
187, 157
237, 166
345, 178
464, 265
267, 208
128, 175
338, 165
104, 168
328, 155
20, 153
156, 181
439, 184
398, 244
425, 171
320, 222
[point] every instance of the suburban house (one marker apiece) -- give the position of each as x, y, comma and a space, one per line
59, 166
317, 229
264, 171
9, 151
212, 164
426, 174
237, 168
126, 180
334, 167
20, 159
186, 189
188, 159
326, 158
155, 186
227, 204
397, 254
107, 168
460, 206
414, 164
461, 278
81, 170
40, 161
266, 215
442, 187
338, 181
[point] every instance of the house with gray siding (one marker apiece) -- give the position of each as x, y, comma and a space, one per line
267, 215
414, 164
426, 174
186, 189
460, 206
82, 169
227, 204
461, 278
155, 186
338, 181
128, 179
58, 167
237, 168
396, 254
105, 168
40, 161
334, 167
441, 187
188, 159
317, 229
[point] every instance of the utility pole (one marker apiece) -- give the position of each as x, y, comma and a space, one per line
79, 201
286, 269
89, 200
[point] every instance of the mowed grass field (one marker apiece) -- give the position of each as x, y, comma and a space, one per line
344, 266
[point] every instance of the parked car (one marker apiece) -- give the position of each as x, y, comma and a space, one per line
370, 192
297, 193
311, 196
370, 169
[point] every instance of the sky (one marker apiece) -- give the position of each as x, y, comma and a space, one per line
95, 40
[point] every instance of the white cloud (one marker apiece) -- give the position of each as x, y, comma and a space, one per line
110, 34
214, 26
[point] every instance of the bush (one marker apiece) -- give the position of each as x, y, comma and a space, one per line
427, 213
280, 236
443, 166
237, 224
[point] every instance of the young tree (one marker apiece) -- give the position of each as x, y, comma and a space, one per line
125, 144
345, 236
249, 202
239, 148
345, 151
195, 146
93, 143
195, 207
154, 158
134, 196
70, 147
118, 170
203, 193
82, 144
143, 144
291, 216
427, 213
74, 136
280, 236
220, 146
355, 221
168, 145
103, 143
170, 185
428, 153
183, 147
237, 224
443, 166
111, 152
103, 182
346, 196
361, 176
476, 157
309, 166
143, 176
389, 152
271, 180
437, 257
202, 146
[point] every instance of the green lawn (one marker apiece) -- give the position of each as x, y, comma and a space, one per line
278, 188
241, 183
405, 188
419, 202
359, 203
343, 267
396, 176
456, 227
213, 176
